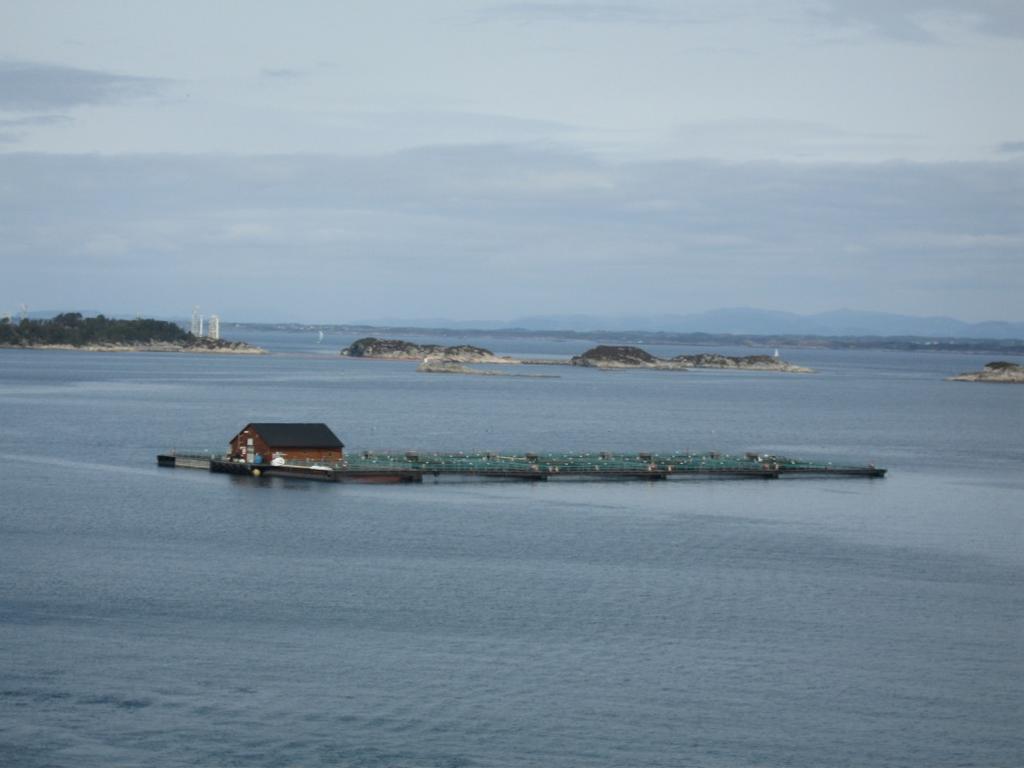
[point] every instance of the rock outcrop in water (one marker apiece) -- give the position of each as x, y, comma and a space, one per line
199, 346
998, 371
445, 365
608, 356
612, 357
440, 359
396, 349
746, 363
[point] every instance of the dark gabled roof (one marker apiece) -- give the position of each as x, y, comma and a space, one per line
292, 435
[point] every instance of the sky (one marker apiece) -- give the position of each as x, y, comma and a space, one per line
348, 162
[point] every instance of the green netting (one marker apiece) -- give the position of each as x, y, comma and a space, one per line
603, 463
573, 463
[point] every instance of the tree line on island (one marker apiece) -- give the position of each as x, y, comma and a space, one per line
71, 329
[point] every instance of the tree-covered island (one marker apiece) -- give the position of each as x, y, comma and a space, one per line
71, 330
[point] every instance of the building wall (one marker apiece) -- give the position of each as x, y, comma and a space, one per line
239, 449
240, 442
310, 454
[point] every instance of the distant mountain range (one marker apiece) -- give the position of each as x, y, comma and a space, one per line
746, 321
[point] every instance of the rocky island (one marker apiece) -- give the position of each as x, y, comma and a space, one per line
439, 359
446, 365
396, 349
998, 371
71, 331
612, 357
608, 356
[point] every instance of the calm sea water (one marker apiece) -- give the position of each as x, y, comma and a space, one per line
173, 617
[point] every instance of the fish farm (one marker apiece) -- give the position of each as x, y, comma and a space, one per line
414, 466
312, 451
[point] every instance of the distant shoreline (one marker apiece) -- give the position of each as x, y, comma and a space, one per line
162, 347
71, 332
694, 339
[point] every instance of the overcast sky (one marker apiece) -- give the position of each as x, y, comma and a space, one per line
336, 162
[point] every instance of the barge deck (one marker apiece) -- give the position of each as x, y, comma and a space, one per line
413, 467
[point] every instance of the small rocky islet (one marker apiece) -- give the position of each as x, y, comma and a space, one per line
440, 359
609, 357
395, 349
997, 372
445, 365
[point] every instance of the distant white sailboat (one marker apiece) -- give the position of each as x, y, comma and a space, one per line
321, 338
776, 353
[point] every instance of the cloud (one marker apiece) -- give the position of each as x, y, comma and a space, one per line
906, 20
910, 20
577, 12
34, 120
20, 125
26, 86
1011, 147
493, 230
758, 138
282, 73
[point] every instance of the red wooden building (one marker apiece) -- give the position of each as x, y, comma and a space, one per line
262, 443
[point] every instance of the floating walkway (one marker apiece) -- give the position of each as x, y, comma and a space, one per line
413, 467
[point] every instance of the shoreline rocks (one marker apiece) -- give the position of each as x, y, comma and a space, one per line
203, 347
996, 372
745, 363
439, 359
615, 357
446, 365
396, 349
608, 356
